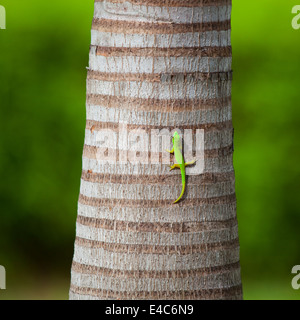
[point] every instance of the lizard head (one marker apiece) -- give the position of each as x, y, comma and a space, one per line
176, 138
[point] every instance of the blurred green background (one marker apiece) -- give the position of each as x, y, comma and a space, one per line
43, 60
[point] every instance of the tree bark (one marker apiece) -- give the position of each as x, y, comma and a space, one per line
157, 64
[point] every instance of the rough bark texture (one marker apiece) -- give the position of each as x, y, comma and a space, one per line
158, 64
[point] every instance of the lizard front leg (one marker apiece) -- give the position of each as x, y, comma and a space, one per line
170, 151
190, 163
174, 166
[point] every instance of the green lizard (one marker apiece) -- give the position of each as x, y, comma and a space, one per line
177, 150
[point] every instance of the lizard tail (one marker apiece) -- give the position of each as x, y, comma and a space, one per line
182, 192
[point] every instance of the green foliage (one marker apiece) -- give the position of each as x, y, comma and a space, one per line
43, 59
265, 116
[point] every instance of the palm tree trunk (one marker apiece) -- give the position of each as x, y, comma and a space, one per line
157, 64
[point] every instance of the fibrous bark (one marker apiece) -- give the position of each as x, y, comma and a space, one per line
154, 65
